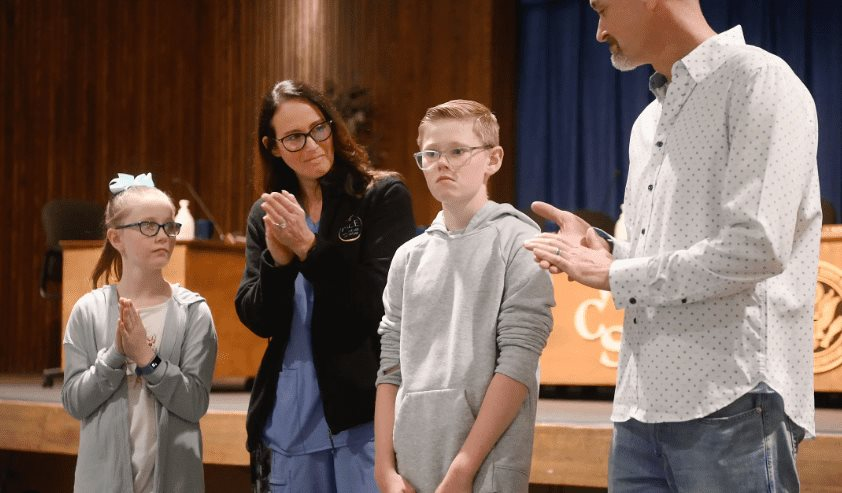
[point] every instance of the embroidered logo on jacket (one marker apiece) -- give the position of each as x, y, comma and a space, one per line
352, 229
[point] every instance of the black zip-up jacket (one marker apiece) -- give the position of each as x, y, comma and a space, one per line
347, 268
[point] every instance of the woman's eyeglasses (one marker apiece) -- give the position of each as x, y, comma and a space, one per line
319, 133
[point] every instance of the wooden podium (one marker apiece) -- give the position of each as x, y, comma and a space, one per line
584, 343
211, 268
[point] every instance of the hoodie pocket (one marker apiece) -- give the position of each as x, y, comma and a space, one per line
430, 428
510, 480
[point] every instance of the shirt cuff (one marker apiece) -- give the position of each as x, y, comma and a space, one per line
113, 359
627, 279
156, 375
519, 364
393, 378
622, 249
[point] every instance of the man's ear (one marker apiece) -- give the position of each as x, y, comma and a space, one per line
495, 160
271, 146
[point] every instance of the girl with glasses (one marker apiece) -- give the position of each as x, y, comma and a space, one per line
139, 355
318, 248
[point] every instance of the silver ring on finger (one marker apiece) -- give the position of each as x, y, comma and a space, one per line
557, 251
280, 225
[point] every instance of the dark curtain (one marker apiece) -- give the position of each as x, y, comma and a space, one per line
575, 111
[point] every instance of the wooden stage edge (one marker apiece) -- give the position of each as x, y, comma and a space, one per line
572, 438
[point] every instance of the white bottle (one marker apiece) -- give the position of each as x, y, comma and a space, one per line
188, 226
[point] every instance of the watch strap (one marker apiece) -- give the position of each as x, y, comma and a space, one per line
146, 370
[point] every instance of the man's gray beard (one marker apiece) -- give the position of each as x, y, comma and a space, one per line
621, 63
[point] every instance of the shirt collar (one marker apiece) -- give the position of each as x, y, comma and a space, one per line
708, 56
658, 84
702, 61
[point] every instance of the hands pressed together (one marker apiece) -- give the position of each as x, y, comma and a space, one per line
130, 337
287, 233
575, 249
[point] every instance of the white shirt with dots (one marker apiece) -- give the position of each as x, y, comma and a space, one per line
723, 216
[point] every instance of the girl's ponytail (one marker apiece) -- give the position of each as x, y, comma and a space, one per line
109, 263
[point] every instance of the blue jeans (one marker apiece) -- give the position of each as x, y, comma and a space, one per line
747, 446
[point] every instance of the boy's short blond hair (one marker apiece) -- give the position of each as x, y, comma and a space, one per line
485, 123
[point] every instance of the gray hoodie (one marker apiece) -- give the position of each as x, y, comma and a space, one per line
461, 306
96, 393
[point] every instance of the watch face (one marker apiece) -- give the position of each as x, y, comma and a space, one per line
150, 368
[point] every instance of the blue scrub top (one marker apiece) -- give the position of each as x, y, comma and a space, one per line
297, 424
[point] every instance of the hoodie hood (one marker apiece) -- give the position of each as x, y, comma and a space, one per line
488, 214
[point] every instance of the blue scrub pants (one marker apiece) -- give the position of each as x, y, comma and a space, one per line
347, 469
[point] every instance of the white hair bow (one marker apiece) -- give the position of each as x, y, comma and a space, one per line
125, 181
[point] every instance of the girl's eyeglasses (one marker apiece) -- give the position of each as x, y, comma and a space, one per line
151, 228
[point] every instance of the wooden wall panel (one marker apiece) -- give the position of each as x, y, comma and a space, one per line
93, 87
409, 55
89, 88
434, 51
228, 112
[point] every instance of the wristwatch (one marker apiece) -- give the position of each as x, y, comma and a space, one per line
605, 236
146, 370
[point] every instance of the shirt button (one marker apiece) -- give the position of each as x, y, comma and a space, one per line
632, 301
650, 187
643, 231
659, 143
684, 300
634, 320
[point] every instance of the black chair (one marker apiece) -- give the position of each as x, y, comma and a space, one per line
64, 219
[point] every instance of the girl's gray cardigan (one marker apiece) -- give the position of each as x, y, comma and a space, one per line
95, 391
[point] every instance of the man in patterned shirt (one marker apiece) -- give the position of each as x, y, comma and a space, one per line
717, 278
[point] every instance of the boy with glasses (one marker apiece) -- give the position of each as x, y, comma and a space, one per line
467, 314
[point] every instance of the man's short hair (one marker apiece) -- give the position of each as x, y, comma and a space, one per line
485, 123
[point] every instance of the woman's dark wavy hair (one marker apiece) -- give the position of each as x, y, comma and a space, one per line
351, 173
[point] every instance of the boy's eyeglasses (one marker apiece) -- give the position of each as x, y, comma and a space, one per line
319, 133
151, 228
456, 157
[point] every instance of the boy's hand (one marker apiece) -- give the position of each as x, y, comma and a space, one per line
392, 482
455, 482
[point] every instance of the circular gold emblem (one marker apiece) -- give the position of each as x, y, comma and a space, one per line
827, 318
